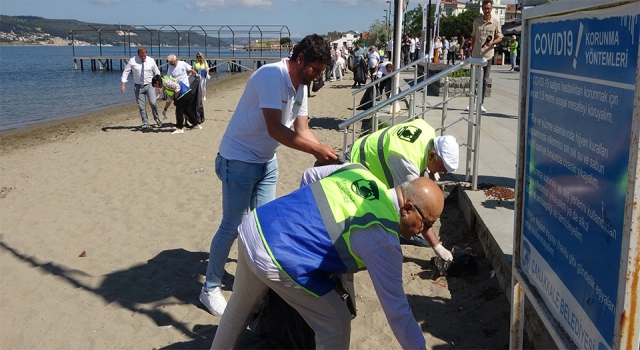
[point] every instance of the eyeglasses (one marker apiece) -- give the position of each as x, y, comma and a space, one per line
427, 224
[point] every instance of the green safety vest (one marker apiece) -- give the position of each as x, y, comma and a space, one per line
408, 139
307, 232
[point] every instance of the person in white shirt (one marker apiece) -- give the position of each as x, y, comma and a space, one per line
374, 61
144, 68
274, 100
179, 70
390, 49
412, 49
445, 48
338, 64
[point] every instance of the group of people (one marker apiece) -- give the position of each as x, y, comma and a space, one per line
343, 217
186, 96
445, 50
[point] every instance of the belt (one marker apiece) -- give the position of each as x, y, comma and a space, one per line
140, 85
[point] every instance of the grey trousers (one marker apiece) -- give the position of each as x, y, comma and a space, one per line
327, 315
144, 93
485, 76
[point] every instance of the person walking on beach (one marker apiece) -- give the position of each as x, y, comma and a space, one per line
181, 95
144, 68
295, 243
179, 70
274, 99
485, 35
202, 68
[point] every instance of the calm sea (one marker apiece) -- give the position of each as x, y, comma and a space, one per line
41, 84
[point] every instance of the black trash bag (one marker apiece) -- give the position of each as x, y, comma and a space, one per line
317, 84
464, 264
366, 101
361, 74
195, 112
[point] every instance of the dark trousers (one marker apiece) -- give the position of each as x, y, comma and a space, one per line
385, 86
451, 56
182, 106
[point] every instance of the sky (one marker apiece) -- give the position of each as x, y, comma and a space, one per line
301, 17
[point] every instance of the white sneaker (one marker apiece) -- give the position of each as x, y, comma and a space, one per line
204, 98
197, 127
213, 301
177, 131
466, 108
482, 109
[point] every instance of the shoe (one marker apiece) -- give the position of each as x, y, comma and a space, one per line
354, 86
204, 98
199, 127
164, 114
145, 127
466, 108
213, 301
177, 131
482, 109
158, 123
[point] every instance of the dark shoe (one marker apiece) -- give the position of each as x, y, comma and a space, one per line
145, 127
159, 123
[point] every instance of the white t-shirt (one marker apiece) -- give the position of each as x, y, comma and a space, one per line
374, 59
246, 138
383, 68
412, 48
180, 72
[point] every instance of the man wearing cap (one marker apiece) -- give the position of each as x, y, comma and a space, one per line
407, 149
340, 224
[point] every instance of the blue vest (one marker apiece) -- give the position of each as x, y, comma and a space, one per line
307, 232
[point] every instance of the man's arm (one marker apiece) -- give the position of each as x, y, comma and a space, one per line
125, 74
295, 139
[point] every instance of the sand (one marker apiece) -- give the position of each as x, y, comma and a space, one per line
105, 232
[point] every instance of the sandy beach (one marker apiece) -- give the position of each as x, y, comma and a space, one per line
105, 232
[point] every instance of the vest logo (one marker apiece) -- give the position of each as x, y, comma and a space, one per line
366, 189
409, 133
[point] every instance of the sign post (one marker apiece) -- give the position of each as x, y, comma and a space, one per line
577, 216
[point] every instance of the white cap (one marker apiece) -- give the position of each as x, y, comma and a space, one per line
447, 149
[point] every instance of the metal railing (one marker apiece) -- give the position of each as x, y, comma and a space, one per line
473, 120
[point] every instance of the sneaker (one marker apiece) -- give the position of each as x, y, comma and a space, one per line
213, 301
466, 108
164, 114
204, 98
482, 109
177, 131
197, 127
145, 127
159, 123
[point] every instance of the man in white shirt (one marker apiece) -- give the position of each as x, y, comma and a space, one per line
144, 68
274, 100
374, 61
390, 49
445, 48
412, 49
179, 70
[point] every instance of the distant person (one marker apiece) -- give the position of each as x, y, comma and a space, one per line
202, 68
144, 68
390, 50
274, 100
295, 243
338, 63
373, 61
445, 49
513, 52
406, 45
181, 95
412, 49
485, 35
358, 55
437, 48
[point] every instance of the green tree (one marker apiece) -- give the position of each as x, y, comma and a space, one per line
413, 21
285, 40
378, 33
457, 25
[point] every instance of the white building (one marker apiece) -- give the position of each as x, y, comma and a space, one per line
347, 38
452, 7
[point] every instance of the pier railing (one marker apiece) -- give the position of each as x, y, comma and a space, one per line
222, 45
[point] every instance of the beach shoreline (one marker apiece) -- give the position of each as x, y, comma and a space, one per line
106, 232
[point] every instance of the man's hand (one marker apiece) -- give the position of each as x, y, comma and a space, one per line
123, 88
325, 154
443, 253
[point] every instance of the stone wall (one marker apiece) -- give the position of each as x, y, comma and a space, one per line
456, 85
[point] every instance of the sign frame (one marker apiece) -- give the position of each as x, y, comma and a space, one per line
626, 332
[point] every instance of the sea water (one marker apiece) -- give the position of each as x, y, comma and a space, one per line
40, 83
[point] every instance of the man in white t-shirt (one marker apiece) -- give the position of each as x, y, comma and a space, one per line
374, 61
412, 49
274, 99
179, 70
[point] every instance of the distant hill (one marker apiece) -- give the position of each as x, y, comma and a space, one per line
30, 25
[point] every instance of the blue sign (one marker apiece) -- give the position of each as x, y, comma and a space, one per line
580, 101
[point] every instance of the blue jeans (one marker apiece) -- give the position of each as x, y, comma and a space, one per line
245, 186
512, 58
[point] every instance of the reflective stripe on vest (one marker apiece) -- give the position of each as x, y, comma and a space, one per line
310, 250
408, 140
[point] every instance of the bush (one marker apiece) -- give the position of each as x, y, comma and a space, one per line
461, 73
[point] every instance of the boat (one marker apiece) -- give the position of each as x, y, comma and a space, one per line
235, 47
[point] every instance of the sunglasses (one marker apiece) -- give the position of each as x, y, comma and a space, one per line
427, 224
